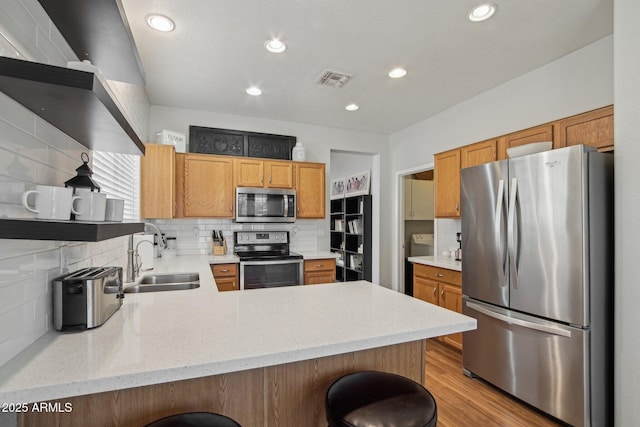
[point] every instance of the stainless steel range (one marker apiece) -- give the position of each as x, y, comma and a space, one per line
266, 261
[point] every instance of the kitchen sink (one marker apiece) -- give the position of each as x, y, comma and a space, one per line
165, 282
170, 278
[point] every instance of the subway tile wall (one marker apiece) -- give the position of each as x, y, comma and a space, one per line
33, 152
193, 236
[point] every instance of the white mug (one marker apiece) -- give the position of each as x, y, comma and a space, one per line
115, 210
92, 205
51, 202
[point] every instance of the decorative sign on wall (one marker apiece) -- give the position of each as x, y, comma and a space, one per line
358, 184
240, 143
337, 188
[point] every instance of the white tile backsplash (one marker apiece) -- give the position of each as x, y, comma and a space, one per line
193, 236
34, 152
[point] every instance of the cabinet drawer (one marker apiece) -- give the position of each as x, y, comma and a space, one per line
440, 274
320, 265
224, 270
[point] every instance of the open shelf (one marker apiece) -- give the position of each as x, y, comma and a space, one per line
69, 231
99, 31
345, 242
76, 102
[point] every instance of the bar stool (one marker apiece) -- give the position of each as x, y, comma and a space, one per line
195, 419
376, 399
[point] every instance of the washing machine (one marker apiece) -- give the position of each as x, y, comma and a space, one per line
421, 245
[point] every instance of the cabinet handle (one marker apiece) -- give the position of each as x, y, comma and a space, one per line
230, 208
442, 294
319, 265
225, 270
439, 275
457, 207
434, 291
269, 179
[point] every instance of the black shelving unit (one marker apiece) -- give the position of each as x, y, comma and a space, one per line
351, 237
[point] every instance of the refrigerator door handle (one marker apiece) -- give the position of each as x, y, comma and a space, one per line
512, 234
519, 322
497, 231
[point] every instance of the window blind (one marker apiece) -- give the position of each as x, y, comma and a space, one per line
119, 177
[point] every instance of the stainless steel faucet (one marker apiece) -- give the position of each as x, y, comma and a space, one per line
132, 253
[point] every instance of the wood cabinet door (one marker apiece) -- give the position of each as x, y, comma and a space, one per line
536, 134
225, 284
478, 153
318, 277
594, 128
278, 174
310, 190
447, 184
451, 299
249, 172
208, 186
157, 181
425, 289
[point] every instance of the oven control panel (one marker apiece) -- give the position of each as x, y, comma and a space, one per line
261, 237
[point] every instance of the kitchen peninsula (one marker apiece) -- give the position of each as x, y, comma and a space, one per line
262, 357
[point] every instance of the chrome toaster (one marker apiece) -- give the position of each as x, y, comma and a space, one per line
86, 298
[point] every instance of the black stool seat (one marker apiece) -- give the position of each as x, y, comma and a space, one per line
377, 399
195, 419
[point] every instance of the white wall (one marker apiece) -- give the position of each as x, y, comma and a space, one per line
627, 177
578, 82
34, 152
319, 142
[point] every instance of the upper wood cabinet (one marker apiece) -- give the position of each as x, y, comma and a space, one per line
278, 174
251, 172
205, 186
594, 128
527, 136
447, 184
478, 153
157, 184
310, 189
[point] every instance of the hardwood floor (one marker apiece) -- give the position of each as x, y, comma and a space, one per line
463, 401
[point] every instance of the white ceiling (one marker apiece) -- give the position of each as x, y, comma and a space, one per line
217, 51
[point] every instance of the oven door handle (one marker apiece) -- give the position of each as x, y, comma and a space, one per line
279, 261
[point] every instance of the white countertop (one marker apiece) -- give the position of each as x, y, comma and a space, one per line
318, 254
437, 261
168, 336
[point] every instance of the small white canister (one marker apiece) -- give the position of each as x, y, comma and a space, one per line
298, 153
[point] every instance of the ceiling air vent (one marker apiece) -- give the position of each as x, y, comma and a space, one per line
334, 79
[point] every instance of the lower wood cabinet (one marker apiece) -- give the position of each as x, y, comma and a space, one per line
226, 276
318, 271
442, 287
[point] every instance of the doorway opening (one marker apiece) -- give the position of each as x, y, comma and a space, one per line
416, 221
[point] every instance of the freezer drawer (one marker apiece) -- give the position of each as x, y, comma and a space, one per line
543, 363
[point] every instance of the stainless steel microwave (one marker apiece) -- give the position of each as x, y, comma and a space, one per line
265, 205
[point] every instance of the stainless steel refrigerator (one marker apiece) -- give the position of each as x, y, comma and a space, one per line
537, 274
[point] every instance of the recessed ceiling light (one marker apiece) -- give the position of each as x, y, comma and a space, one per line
254, 91
482, 12
160, 23
352, 107
396, 73
275, 46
